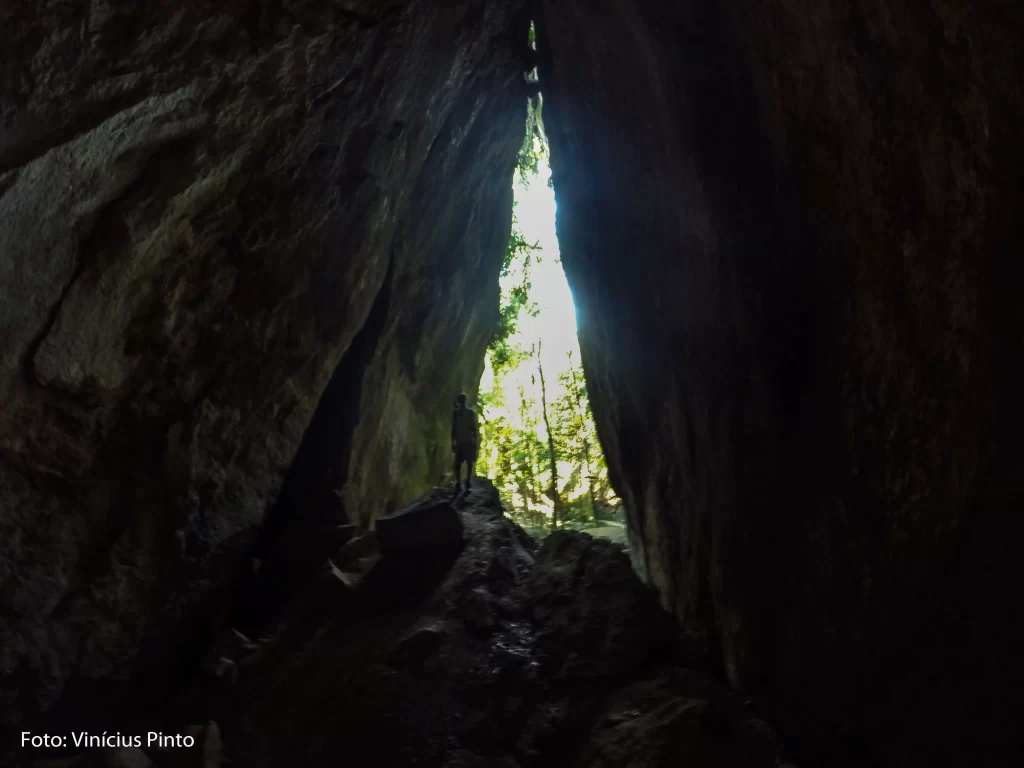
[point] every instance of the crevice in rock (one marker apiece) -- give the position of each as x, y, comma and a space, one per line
308, 502
793, 230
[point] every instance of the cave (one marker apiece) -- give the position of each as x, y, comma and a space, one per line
248, 251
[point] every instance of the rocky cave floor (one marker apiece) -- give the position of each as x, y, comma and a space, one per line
449, 638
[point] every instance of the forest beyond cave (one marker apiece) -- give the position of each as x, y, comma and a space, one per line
533, 385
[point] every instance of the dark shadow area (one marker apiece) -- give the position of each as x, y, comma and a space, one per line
303, 525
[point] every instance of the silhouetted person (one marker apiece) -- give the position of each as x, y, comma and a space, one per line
465, 437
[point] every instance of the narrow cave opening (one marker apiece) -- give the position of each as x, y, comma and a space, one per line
539, 441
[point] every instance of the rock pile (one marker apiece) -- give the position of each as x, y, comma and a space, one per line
474, 647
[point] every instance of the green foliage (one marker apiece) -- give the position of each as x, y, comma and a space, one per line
519, 251
519, 257
517, 458
534, 147
513, 458
576, 435
515, 451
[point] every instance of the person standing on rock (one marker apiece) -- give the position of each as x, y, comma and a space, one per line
465, 439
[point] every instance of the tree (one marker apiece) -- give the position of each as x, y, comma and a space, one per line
519, 256
576, 433
529, 447
578, 421
552, 455
552, 479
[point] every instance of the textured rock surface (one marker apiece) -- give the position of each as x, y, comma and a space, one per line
205, 210
512, 655
792, 231
427, 523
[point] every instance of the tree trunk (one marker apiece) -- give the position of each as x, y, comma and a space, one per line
527, 434
581, 415
555, 500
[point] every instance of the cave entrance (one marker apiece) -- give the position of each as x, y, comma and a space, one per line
540, 445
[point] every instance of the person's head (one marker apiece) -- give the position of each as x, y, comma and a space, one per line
460, 399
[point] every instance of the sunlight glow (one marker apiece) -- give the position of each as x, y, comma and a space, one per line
516, 449
555, 324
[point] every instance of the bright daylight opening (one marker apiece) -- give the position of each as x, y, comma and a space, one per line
539, 440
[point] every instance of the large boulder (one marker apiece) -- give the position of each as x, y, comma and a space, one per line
430, 524
594, 616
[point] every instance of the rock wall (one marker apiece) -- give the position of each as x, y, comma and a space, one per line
206, 208
792, 233
241, 237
